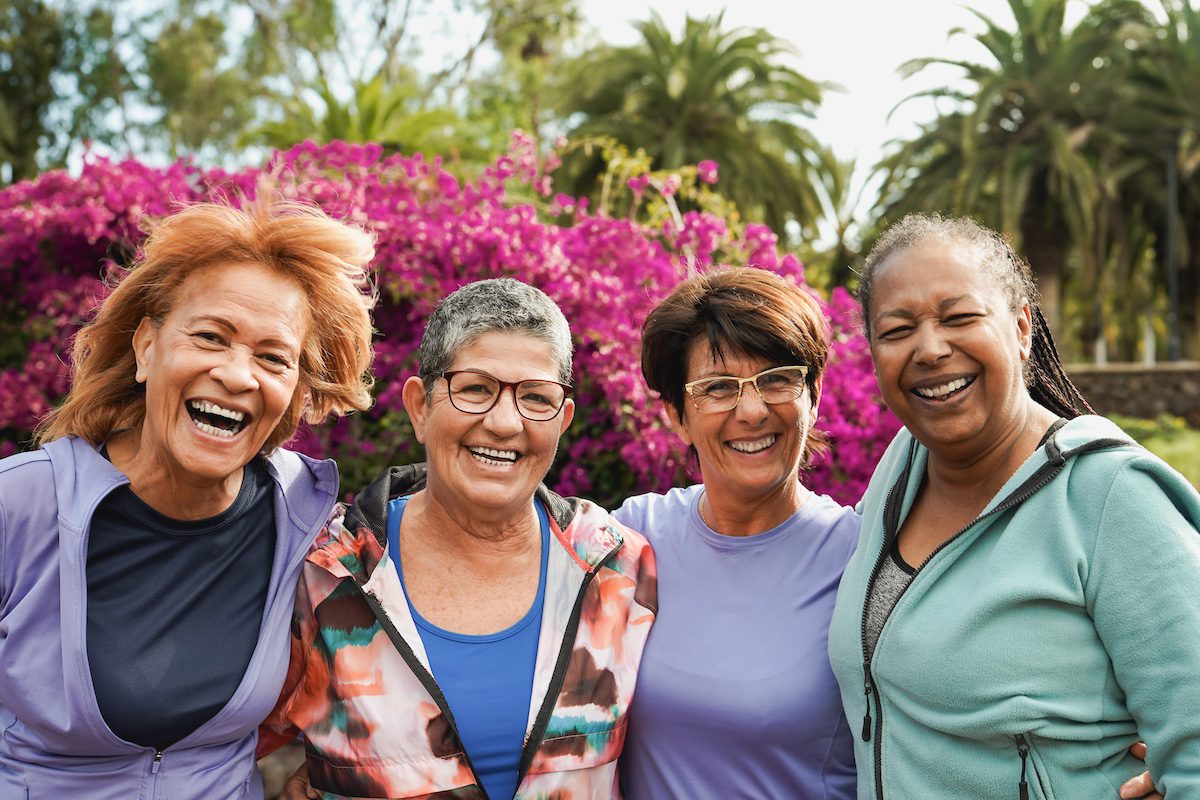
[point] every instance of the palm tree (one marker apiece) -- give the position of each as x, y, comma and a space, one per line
724, 95
1166, 132
1019, 150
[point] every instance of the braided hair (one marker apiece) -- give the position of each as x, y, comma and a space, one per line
1045, 377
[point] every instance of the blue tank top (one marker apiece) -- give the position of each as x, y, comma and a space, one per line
487, 680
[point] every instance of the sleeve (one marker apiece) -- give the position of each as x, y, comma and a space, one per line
278, 729
1143, 590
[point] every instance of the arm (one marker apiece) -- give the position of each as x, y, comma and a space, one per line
1147, 530
277, 729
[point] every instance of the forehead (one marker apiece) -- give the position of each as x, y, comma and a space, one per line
701, 361
508, 355
250, 297
932, 272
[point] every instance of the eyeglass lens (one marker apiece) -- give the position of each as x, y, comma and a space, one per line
475, 393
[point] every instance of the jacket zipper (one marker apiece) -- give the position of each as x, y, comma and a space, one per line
556, 679
542, 721
1034, 483
1023, 750
423, 675
155, 764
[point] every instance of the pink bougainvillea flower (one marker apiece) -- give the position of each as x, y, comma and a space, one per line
707, 171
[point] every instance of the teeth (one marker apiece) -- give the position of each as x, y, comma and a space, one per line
213, 430
943, 390
206, 407
493, 454
754, 447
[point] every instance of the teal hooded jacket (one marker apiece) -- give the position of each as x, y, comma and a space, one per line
1036, 645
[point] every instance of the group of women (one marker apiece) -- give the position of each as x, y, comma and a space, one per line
1008, 610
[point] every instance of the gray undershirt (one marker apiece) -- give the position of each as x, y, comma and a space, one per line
893, 578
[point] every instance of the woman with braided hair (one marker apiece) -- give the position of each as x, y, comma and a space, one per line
989, 629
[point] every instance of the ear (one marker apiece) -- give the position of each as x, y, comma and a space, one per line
143, 341
568, 414
816, 393
678, 425
1025, 329
415, 403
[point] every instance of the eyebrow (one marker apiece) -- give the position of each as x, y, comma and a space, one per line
270, 341
906, 314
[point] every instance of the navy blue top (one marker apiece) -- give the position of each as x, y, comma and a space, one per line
174, 608
487, 680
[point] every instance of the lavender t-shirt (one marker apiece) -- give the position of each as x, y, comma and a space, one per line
735, 697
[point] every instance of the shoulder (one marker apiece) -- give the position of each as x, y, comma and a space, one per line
825, 517
657, 515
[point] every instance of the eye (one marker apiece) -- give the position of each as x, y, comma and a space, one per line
960, 319
897, 332
276, 360
480, 389
775, 380
720, 387
209, 337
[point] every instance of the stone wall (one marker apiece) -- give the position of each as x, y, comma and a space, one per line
1137, 390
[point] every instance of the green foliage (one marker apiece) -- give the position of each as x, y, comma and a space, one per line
724, 95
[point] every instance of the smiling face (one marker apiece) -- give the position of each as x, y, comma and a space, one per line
754, 450
220, 369
949, 351
488, 465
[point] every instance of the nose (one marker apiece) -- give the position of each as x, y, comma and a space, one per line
929, 344
751, 407
236, 372
503, 419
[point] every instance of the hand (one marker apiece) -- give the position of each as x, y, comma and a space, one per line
1141, 786
297, 787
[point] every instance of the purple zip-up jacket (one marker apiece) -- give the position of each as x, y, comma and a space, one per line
54, 743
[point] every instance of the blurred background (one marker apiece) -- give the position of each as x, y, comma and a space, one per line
1074, 127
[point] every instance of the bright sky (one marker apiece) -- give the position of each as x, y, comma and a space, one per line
858, 44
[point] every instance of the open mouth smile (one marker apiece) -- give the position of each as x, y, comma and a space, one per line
943, 391
216, 420
755, 445
494, 456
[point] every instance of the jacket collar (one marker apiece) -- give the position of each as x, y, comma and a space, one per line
82, 477
356, 546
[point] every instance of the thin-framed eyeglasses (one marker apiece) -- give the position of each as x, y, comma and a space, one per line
723, 393
474, 392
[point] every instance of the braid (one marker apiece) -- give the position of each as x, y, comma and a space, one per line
1048, 382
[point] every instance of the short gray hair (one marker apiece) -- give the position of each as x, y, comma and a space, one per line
496, 304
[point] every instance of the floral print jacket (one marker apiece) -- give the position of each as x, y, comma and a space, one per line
359, 686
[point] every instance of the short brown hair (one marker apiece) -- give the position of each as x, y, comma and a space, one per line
742, 310
327, 258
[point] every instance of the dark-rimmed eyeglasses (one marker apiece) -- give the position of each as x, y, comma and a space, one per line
474, 392
724, 392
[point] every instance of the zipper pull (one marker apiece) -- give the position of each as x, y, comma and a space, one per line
157, 762
866, 730
1023, 751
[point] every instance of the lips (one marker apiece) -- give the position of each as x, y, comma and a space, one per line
494, 455
944, 390
217, 420
753, 445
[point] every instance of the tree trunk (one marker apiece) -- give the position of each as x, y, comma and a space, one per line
1044, 242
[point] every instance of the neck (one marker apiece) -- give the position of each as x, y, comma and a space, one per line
979, 474
164, 487
491, 544
733, 514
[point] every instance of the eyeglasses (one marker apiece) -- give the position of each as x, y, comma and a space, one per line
776, 385
476, 392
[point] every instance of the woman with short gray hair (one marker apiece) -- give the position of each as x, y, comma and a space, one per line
461, 630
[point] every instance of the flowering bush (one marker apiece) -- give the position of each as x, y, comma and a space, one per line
61, 236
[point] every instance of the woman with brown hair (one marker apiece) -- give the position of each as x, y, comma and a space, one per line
149, 550
735, 695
